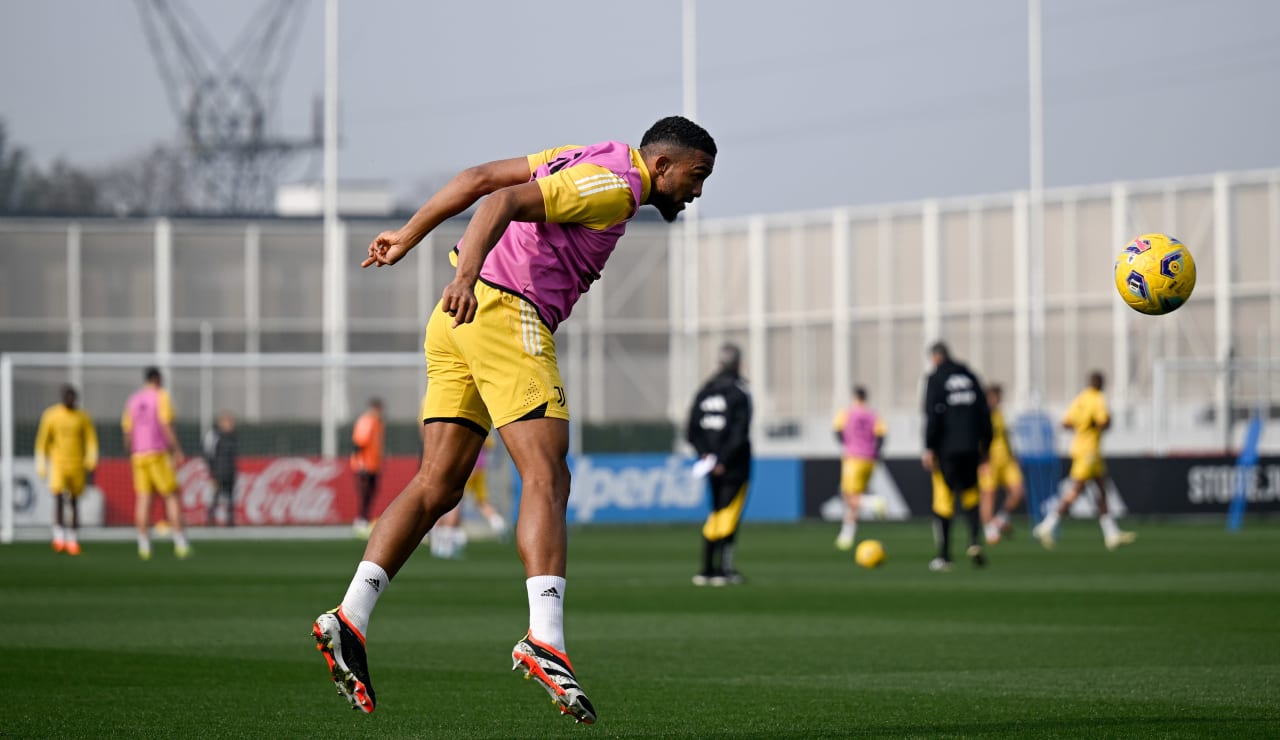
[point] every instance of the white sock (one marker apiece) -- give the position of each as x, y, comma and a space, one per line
71, 536
366, 586
849, 530
144, 543
180, 539
546, 610
497, 523
58, 532
1050, 520
1109, 527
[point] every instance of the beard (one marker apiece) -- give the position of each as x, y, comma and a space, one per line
666, 206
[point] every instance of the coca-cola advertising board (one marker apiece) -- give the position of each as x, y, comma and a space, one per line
269, 490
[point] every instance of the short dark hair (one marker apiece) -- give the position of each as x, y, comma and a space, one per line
940, 349
679, 131
996, 389
1097, 379
376, 403
729, 357
860, 392
69, 393
151, 374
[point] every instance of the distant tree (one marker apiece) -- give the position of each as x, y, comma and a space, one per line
64, 190
13, 162
154, 183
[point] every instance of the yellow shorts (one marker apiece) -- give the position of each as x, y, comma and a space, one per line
1087, 467
999, 474
495, 370
66, 480
153, 473
944, 504
855, 473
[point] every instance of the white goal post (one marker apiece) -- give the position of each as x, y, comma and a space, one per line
296, 402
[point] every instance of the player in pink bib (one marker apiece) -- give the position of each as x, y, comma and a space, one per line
535, 244
861, 435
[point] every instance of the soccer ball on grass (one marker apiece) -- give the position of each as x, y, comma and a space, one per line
1155, 274
870, 554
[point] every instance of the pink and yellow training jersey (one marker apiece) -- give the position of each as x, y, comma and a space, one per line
590, 192
145, 414
860, 431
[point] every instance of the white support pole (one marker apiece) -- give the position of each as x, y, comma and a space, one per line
426, 294
757, 328
1071, 313
976, 259
206, 376
689, 59
6, 449
676, 339
75, 325
575, 381
1121, 314
334, 263
1035, 263
841, 279
164, 287
595, 336
884, 278
1159, 408
689, 105
1273, 249
1224, 272
1022, 381
932, 270
252, 319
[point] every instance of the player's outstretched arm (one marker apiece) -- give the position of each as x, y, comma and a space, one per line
458, 195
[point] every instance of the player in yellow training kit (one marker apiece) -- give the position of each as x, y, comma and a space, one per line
66, 452
538, 240
1089, 417
999, 471
154, 450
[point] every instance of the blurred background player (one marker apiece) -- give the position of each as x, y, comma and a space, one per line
149, 437
66, 452
719, 430
542, 234
999, 471
366, 462
956, 439
861, 435
221, 453
1089, 417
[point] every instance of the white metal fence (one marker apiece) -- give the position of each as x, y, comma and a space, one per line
818, 300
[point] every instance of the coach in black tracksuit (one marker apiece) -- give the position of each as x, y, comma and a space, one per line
957, 435
719, 425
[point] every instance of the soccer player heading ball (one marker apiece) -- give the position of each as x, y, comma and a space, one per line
531, 249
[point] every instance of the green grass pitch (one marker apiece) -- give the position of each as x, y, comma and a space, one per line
1176, 636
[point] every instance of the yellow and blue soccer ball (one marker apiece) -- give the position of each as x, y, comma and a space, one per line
1155, 274
870, 554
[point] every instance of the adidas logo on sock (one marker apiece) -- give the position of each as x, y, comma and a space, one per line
377, 585
552, 592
